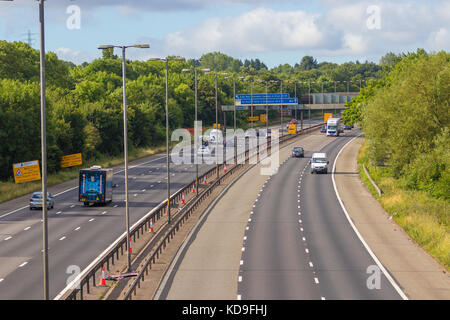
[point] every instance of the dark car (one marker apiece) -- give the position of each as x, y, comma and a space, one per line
323, 129
346, 127
298, 152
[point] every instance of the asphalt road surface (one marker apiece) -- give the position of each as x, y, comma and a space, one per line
77, 234
300, 245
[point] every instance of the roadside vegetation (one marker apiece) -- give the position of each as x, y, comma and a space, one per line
84, 102
424, 218
405, 117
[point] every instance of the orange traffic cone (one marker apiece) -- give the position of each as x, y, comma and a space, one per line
131, 249
225, 168
103, 281
182, 198
151, 226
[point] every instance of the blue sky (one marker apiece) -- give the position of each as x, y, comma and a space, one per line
276, 32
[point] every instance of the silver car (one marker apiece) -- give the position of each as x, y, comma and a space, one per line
36, 201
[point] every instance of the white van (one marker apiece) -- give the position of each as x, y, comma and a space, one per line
215, 136
319, 163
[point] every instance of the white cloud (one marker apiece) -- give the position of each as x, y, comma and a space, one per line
258, 30
74, 56
340, 30
440, 40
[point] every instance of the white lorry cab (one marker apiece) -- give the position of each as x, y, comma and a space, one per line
333, 126
319, 163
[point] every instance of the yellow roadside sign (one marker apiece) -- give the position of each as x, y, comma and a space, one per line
326, 116
263, 118
71, 160
215, 125
291, 128
26, 171
254, 118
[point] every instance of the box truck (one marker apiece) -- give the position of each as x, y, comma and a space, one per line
95, 185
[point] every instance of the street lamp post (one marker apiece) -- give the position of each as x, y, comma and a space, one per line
166, 60
43, 149
281, 109
251, 107
125, 137
217, 128
195, 121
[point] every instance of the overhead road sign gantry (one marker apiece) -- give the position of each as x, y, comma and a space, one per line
263, 99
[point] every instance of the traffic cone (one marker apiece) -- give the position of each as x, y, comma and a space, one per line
193, 187
103, 281
131, 249
182, 198
204, 180
151, 226
225, 168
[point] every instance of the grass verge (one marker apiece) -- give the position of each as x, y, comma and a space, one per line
424, 218
10, 190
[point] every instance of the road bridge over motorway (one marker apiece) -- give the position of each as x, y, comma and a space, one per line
335, 101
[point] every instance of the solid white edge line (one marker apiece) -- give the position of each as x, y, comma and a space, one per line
96, 260
374, 257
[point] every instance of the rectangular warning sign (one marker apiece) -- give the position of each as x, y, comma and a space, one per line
292, 129
327, 116
262, 118
71, 160
26, 171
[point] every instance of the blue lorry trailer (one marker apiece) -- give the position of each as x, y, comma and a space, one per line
95, 185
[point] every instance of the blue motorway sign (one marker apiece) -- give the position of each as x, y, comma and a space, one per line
272, 98
261, 96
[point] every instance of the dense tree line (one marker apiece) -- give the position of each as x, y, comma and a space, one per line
84, 102
406, 116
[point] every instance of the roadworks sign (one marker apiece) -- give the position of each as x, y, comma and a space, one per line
26, 171
71, 160
292, 129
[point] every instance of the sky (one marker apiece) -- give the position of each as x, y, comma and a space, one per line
274, 31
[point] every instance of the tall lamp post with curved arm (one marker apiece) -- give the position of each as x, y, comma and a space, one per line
195, 119
125, 135
166, 60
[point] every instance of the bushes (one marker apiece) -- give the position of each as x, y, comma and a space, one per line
431, 171
407, 121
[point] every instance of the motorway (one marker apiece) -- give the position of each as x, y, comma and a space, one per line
77, 234
282, 237
300, 244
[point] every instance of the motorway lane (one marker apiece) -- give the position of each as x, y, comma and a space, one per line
71, 246
77, 234
299, 244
